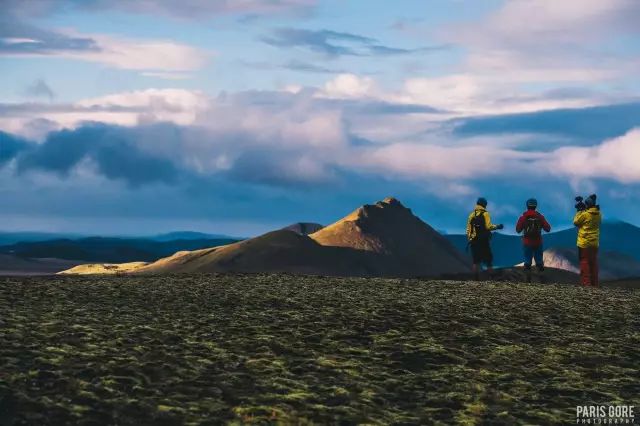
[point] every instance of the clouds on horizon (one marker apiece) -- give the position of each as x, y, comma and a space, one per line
282, 138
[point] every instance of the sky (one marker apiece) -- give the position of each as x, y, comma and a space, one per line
242, 116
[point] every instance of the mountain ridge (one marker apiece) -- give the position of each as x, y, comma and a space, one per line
384, 239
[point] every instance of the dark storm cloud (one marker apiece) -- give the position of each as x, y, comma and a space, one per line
282, 169
112, 149
334, 43
10, 147
589, 124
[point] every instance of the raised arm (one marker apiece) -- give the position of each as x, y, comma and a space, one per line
487, 220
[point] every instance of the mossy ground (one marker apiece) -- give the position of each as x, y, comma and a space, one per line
209, 349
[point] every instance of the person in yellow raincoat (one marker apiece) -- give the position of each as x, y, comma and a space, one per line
479, 229
588, 223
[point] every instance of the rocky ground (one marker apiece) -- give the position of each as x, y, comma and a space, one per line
207, 349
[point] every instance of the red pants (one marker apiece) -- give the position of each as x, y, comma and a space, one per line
588, 266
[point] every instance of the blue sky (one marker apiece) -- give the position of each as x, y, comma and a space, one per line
241, 116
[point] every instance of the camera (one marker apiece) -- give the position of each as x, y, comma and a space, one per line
581, 203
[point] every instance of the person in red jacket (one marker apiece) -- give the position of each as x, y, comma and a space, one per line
531, 224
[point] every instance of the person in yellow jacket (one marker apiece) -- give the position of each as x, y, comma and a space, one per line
479, 229
588, 221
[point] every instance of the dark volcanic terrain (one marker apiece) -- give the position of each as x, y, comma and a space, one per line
210, 349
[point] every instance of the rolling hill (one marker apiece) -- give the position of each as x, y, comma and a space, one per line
106, 249
13, 265
384, 239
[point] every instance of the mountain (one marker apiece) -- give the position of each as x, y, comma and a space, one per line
613, 265
384, 239
391, 229
304, 228
616, 236
7, 238
102, 249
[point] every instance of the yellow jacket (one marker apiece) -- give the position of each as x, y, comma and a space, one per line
479, 210
588, 223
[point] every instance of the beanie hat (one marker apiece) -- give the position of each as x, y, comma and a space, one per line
482, 202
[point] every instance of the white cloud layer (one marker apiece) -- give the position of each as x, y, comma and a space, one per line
285, 137
615, 159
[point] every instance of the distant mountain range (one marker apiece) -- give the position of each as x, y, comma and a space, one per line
615, 236
104, 249
383, 239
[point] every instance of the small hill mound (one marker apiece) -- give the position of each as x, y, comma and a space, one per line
613, 265
104, 268
304, 228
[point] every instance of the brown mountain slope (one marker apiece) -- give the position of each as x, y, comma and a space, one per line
390, 228
384, 239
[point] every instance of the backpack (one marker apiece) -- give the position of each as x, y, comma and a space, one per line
532, 227
479, 227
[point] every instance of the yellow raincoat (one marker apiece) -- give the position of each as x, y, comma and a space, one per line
479, 210
588, 223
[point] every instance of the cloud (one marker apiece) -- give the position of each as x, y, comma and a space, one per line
296, 65
528, 41
21, 39
350, 86
167, 75
615, 159
111, 150
302, 139
185, 9
335, 44
40, 88
127, 108
113, 51
590, 124
10, 147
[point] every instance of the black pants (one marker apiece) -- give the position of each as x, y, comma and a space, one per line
481, 252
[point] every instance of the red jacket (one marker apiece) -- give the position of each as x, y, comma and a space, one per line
532, 242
